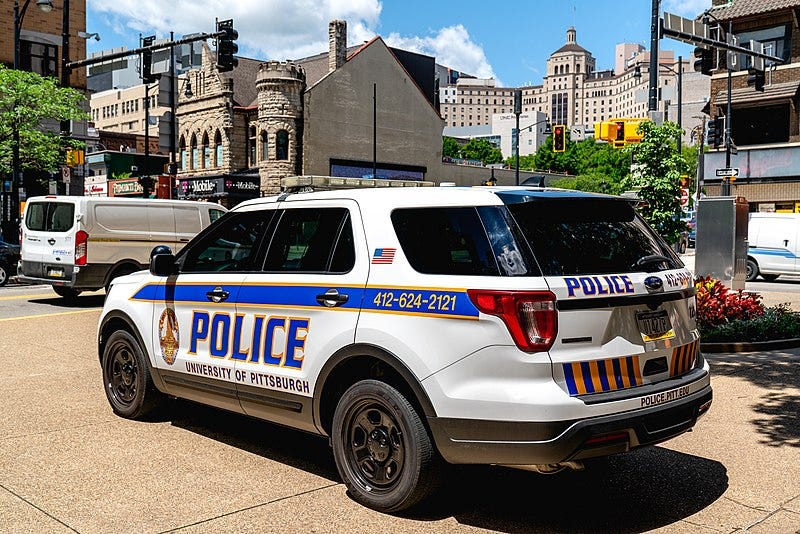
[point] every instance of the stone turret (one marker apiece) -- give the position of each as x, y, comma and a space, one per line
280, 88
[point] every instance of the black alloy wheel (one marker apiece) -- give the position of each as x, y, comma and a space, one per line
752, 270
126, 378
382, 449
3, 275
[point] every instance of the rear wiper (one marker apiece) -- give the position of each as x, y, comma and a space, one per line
654, 258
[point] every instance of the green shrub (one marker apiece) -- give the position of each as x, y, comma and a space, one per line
777, 322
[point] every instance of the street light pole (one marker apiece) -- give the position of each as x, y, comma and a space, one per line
726, 182
654, 36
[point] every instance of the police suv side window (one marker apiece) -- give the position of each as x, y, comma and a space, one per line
229, 245
445, 241
311, 240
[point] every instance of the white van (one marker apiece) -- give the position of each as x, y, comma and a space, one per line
773, 245
82, 243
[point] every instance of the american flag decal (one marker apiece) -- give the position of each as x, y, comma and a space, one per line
383, 255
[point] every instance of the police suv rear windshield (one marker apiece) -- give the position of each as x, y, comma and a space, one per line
577, 235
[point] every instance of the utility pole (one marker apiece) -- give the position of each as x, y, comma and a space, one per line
654, 36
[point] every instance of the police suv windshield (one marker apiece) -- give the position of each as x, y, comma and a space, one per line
580, 235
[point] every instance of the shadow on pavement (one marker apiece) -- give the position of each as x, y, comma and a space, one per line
281, 444
778, 372
81, 301
642, 490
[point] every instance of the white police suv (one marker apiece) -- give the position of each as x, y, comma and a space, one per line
414, 326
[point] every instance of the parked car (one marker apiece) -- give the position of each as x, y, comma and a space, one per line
9, 256
523, 326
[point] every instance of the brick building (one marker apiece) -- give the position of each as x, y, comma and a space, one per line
264, 121
764, 124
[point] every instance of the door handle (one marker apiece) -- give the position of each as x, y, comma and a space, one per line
332, 298
218, 295
785, 242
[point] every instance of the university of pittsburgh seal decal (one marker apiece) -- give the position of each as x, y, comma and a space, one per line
168, 335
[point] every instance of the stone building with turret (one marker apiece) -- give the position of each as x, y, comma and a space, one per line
241, 132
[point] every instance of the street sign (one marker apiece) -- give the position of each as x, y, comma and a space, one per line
684, 196
728, 172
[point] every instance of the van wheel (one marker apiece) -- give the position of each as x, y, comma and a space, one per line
121, 271
126, 378
3, 275
752, 270
66, 293
383, 452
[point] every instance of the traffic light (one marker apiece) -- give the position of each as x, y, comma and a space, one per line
619, 138
226, 48
704, 60
559, 138
147, 61
756, 78
715, 136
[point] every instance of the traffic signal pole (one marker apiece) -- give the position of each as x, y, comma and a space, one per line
655, 26
726, 182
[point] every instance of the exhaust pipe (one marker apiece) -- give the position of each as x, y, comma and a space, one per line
549, 469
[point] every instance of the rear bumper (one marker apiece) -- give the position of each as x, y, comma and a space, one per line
89, 277
471, 441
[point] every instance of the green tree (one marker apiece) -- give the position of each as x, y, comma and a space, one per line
27, 102
483, 150
656, 176
450, 148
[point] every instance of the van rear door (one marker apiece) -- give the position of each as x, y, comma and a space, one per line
625, 301
48, 238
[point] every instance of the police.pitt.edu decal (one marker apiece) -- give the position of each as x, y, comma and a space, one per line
168, 336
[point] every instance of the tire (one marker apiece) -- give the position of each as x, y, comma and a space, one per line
752, 270
383, 452
66, 293
770, 277
4, 275
126, 378
121, 271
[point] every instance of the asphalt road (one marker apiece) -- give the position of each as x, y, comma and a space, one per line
68, 464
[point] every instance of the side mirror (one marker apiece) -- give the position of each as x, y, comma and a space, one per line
163, 264
160, 249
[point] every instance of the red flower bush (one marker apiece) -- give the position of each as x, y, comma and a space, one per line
717, 305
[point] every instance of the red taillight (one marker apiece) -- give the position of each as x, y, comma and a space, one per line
530, 316
81, 239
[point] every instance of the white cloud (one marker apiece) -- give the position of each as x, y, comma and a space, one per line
268, 29
286, 29
452, 46
686, 8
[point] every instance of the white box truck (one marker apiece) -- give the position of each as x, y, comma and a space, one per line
82, 243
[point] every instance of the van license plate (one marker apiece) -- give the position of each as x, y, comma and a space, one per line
55, 273
654, 325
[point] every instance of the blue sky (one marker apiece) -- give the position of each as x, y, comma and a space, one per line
509, 41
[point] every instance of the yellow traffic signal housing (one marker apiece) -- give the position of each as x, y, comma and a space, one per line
74, 157
619, 132
559, 138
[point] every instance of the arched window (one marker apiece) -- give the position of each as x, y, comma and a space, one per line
252, 146
264, 146
195, 154
567, 66
218, 149
184, 154
206, 151
282, 145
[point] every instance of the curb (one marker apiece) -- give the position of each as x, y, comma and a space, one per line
754, 346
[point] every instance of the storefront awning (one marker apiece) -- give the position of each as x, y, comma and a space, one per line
746, 95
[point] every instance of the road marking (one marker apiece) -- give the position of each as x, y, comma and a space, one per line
30, 296
48, 315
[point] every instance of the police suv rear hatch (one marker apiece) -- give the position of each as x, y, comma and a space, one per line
626, 307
